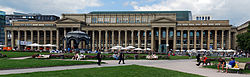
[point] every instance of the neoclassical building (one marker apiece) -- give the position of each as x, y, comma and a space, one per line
157, 30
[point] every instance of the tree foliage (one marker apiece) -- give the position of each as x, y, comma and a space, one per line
244, 40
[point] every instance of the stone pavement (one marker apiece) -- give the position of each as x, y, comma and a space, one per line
187, 66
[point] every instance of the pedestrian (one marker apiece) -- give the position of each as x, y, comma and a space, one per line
99, 57
121, 58
198, 57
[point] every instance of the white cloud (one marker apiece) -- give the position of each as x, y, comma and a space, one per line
50, 6
234, 10
7, 9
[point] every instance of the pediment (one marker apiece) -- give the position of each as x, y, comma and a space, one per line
163, 20
68, 20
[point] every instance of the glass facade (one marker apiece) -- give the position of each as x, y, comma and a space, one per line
2, 23
180, 15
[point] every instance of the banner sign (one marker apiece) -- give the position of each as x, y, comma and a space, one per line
24, 42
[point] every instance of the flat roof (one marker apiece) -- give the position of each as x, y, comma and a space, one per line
135, 12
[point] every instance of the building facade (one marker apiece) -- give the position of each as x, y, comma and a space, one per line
157, 30
202, 17
2, 23
29, 17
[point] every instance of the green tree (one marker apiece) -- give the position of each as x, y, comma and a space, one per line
244, 40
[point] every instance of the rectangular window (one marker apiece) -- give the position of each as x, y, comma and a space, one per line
94, 19
125, 19
100, 20
149, 18
118, 19
106, 20
88, 20
131, 19
178, 34
144, 19
113, 20
138, 19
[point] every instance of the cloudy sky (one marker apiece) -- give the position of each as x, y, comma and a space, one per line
237, 11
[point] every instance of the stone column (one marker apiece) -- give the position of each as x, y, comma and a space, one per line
229, 39
12, 39
188, 39
145, 39
6, 38
38, 39
222, 39
195, 31
119, 36
132, 38
31, 38
86, 46
64, 42
139, 39
208, 39
100, 37
152, 39
159, 37
51, 38
113, 37
201, 39
215, 39
126, 38
181, 40
57, 39
25, 35
106, 40
93, 40
18, 38
174, 42
44, 39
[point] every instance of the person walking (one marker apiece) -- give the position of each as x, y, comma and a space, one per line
99, 58
121, 58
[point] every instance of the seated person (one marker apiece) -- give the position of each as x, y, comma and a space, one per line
115, 56
221, 64
231, 64
204, 59
75, 56
80, 57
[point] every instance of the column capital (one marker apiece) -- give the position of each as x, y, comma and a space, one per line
167, 27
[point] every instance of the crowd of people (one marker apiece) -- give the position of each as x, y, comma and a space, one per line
221, 63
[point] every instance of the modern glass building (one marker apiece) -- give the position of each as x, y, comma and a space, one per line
29, 17
2, 23
180, 15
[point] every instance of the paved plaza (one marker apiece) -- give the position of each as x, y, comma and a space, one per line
187, 66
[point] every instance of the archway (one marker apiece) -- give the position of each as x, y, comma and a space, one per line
77, 37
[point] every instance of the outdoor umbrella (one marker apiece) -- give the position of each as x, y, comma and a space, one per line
138, 49
131, 47
35, 44
124, 48
49, 45
148, 49
118, 46
2, 45
114, 48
